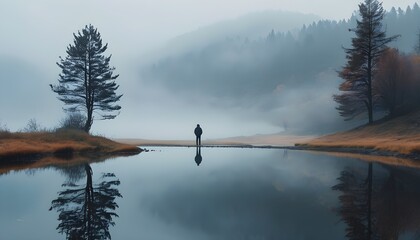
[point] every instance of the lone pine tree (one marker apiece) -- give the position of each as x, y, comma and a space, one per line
86, 83
362, 58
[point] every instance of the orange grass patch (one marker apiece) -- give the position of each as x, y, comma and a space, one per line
70, 141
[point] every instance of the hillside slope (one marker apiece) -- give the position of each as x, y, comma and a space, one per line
400, 135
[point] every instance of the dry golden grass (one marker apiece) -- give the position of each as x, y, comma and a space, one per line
400, 135
14, 145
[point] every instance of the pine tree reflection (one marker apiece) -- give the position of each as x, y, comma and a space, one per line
384, 207
86, 211
355, 201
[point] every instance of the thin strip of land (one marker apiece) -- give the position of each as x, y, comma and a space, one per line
269, 140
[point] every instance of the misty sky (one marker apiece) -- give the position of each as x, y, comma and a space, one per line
35, 33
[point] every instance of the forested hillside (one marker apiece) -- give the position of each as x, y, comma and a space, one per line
298, 66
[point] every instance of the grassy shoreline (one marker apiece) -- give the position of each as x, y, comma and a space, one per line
395, 138
398, 137
60, 144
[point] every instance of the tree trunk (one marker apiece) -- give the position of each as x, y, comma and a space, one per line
369, 68
369, 93
90, 202
88, 123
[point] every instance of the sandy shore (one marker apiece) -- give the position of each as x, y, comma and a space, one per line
272, 140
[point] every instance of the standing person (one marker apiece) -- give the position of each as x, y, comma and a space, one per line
198, 131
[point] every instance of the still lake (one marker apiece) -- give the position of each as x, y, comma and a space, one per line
233, 193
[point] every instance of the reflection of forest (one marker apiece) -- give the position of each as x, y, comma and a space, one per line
86, 210
380, 204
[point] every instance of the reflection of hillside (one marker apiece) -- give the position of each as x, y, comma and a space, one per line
86, 210
398, 204
379, 204
386, 160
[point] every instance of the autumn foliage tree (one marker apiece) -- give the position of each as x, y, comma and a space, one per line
86, 83
370, 42
396, 84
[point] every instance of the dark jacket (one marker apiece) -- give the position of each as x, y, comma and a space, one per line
198, 131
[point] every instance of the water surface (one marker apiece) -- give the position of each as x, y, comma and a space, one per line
174, 193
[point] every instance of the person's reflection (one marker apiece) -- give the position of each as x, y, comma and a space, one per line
86, 210
285, 154
198, 157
